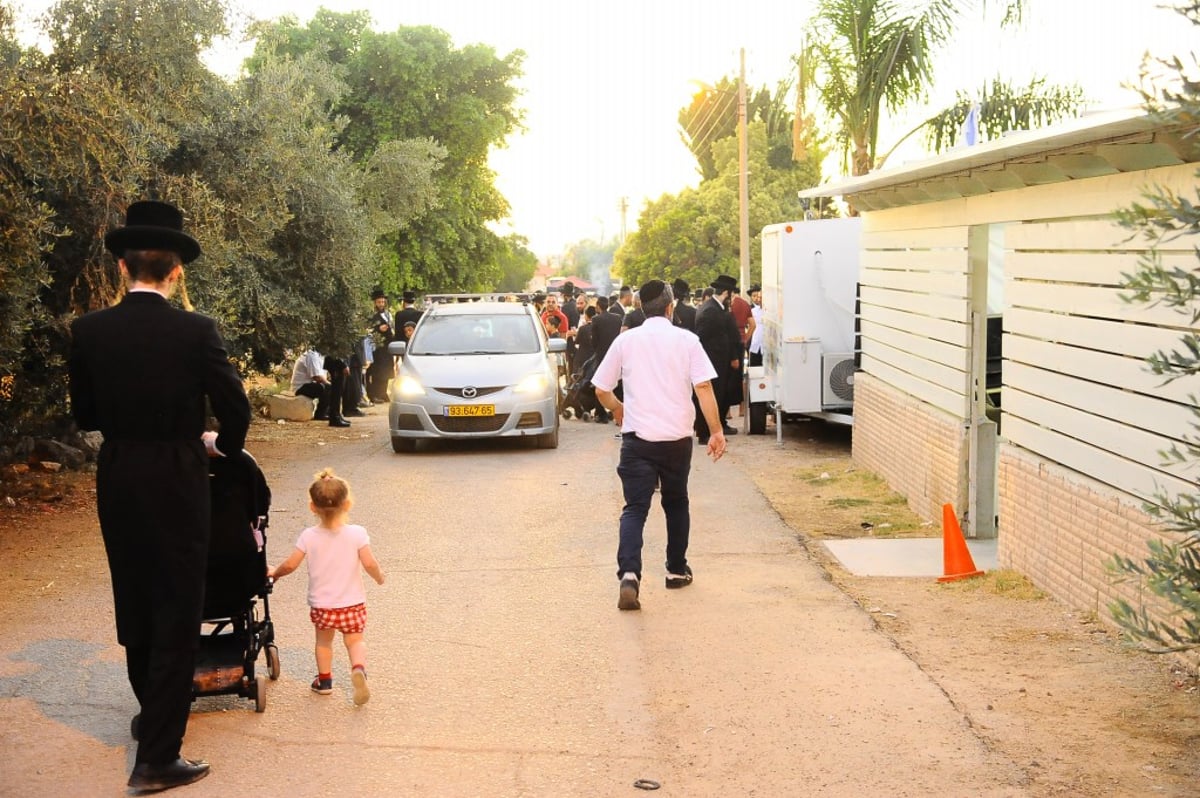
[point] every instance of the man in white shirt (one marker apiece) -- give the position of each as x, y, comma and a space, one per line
756, 337
659, 366
321, 378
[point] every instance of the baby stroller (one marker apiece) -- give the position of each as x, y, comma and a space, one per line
580, 398
234, 630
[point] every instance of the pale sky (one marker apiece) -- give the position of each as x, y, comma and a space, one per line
604, 81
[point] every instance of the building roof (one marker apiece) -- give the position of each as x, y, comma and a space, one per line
1096, 144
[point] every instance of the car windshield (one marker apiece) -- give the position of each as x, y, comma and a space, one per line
475, 334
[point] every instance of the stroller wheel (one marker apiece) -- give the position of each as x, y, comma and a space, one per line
260, 694
273, 669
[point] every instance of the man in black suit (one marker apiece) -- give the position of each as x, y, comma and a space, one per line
684, 314
607, 328
723, 343
408, 313
382, 331
141, 372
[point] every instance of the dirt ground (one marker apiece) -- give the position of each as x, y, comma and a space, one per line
1052, 690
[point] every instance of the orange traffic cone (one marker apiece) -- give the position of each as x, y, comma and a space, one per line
956, 557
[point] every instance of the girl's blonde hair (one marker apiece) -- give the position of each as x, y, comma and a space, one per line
329, 493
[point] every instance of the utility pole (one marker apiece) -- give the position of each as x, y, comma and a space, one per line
743, 180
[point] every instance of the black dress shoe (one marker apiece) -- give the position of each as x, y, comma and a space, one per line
338, 422
321, 417
152, 778
354, 413
728, 430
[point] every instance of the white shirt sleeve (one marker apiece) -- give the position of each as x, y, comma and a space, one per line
700, 366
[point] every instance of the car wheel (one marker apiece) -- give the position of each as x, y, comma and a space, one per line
402, 445
758, 418
550, 439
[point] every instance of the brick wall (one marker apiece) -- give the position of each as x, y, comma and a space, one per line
1058, 527
919, 450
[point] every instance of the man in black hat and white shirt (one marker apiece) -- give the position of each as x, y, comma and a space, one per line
141, 372
382, 329
721, 340
660, 366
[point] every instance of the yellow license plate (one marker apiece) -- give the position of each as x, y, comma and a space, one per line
455, 411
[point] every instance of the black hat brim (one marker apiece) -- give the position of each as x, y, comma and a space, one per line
139, 237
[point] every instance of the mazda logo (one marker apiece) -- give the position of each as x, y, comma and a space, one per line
470, 392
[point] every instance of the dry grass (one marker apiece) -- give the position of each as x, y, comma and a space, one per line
854, 503
1003, 582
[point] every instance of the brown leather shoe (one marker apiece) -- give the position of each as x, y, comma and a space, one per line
153, 778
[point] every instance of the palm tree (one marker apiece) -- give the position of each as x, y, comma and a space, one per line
863, 57
865, 54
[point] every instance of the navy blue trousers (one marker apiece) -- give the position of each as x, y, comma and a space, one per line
644, 465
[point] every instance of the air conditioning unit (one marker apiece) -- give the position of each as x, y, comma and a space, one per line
837, 380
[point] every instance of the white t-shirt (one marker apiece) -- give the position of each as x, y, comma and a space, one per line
308, 365
756, 340
658, 364
334, 570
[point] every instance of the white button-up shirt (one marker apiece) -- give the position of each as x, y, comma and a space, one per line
309, 365
658, 365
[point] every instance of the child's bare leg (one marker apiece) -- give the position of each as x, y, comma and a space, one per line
324, 651
356, 647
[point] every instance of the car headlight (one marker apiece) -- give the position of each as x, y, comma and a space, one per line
408, 386
534, 383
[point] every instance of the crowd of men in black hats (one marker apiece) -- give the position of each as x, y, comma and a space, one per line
719, 317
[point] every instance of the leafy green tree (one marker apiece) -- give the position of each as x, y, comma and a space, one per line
713, 116
517, 264
694, 234
590, 259
412, 84
1171, 571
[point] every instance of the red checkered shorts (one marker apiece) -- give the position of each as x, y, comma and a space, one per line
347, 620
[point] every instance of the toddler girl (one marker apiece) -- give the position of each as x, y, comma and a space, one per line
335, 551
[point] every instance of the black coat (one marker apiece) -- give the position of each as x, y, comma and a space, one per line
605, 329
718, 334
140, 373
684, 316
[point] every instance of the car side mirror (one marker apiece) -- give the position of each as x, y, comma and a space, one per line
397, 348
558, 344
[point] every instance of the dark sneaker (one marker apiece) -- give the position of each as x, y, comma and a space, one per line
322, 686
628, 599
678, 580
361, 693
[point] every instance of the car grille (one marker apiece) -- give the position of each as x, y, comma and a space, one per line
469, 424
478, 391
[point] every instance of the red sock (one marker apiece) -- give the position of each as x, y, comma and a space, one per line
324, 675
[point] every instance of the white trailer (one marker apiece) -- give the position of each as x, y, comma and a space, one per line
809, 295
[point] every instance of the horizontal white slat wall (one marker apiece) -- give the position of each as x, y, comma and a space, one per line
1076, 387
915, 313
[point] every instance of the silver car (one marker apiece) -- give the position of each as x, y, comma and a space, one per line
476, 370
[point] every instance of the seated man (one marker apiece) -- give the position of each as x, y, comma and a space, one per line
321, 378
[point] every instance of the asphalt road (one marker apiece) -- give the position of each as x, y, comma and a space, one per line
498, 661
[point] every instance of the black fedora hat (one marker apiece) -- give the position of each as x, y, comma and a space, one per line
724, 283
378, 294
153, 225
